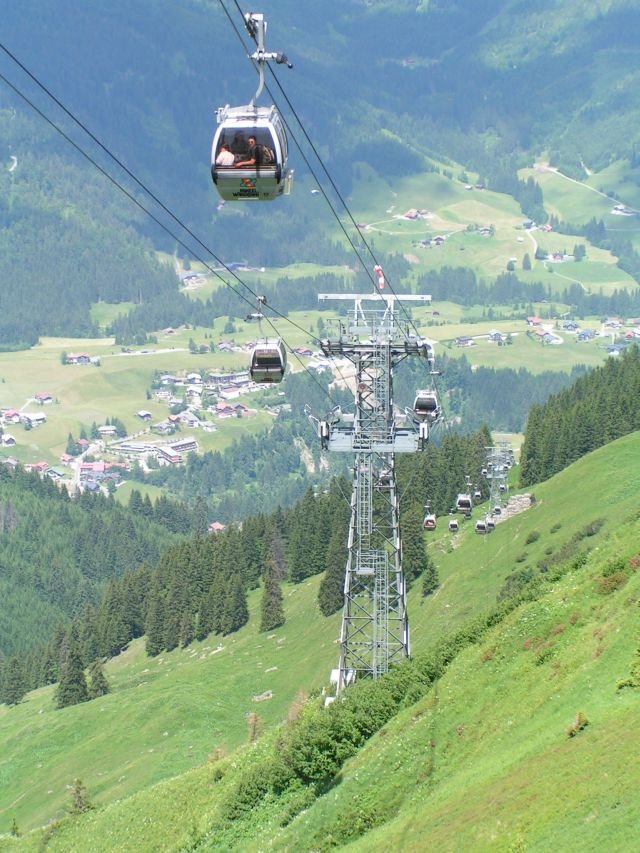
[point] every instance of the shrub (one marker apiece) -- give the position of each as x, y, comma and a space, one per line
579, 724
607, 584
533, 536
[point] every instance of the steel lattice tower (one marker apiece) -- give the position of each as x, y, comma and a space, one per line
375, 630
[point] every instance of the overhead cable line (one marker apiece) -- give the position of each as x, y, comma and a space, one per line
145, 210
410, 321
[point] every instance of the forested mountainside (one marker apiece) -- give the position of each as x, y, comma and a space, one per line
58, 554
600, 407
413, 87
199, 586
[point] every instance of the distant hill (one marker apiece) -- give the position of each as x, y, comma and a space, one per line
482, 88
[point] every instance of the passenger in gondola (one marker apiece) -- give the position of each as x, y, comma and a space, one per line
239, 146
251, 157
225, 157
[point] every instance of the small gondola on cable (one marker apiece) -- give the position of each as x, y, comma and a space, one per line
429, 522
464, 504
249, 150
268, 360
426, 406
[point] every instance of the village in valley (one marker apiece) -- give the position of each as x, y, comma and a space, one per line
195, 401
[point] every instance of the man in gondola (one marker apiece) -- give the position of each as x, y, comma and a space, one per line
250, 159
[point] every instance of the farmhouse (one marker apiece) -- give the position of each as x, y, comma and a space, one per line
78, 358
34, 419
44, 398
464, 341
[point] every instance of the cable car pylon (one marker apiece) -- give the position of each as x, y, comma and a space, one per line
375, 627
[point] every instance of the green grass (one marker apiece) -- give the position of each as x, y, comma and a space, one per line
165, 714
482, 762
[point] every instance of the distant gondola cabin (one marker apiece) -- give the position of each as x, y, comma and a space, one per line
429, 522
464, 503
268, 361
426, 406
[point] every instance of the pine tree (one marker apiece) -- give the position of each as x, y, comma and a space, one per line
331, 590
72, 688
14, 685
236, 613
271, 611
430, 579
187, 632
99, 684
154, 623
414, 556
80, 802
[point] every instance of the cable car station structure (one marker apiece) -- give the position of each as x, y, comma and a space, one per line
375, 629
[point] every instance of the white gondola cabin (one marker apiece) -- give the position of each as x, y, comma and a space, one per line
426, 406
453, 525
481, 526
249, 154
464, 503
268, 361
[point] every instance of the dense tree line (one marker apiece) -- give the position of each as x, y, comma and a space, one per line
57, 554
600, 407
198, 586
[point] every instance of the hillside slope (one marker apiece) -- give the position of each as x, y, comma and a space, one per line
482, 761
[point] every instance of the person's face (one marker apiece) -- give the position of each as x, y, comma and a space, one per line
252, 140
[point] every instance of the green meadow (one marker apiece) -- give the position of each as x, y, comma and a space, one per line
483, 761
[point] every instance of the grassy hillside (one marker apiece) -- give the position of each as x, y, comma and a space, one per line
482, 761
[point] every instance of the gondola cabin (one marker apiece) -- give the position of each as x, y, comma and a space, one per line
453, 525
429, 522
464, 504
268, 361
491, 525
481, 526
249, 154
426, 406
497, 510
